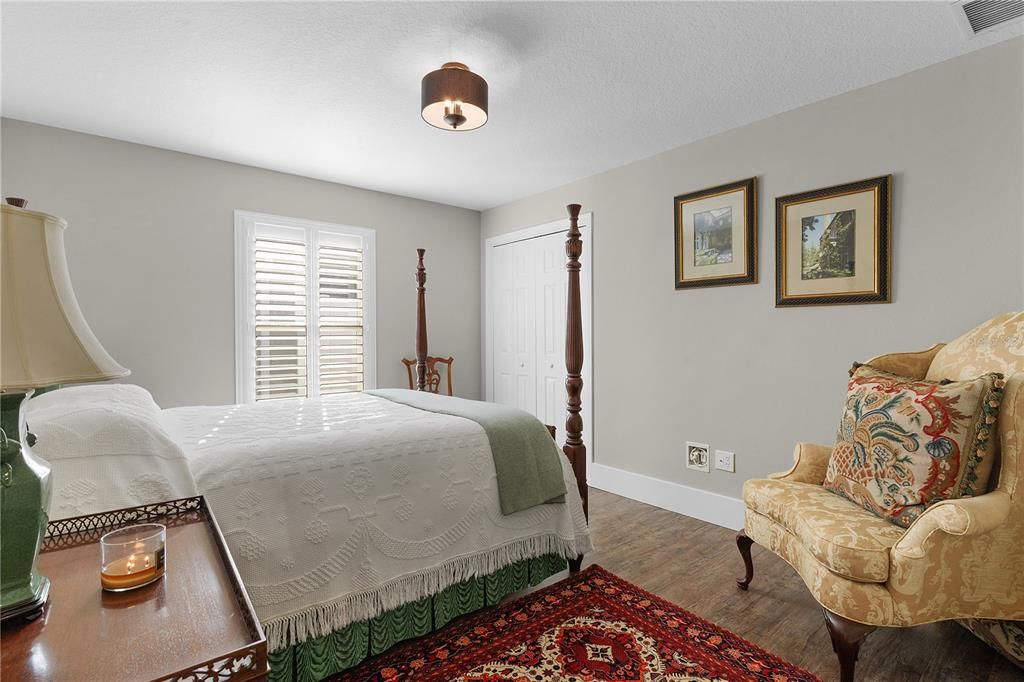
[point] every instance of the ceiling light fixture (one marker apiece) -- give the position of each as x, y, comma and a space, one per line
454, 98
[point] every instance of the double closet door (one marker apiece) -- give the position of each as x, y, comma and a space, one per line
528, 326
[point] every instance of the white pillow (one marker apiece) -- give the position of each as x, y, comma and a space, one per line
107, 448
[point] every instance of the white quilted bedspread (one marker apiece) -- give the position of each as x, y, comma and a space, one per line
340, 508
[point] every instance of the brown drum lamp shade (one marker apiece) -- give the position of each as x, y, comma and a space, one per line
454, 98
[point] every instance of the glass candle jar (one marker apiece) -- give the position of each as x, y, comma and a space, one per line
132, 557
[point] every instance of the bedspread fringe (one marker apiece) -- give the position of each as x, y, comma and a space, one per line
322, 619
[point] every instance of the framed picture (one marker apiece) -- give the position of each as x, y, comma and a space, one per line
697, 457
832, 245
716, 236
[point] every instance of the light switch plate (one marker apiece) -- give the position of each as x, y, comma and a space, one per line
726, 461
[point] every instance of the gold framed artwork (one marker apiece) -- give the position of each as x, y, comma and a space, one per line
716, 236
833, 245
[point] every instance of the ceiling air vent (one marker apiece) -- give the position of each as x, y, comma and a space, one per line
978, 16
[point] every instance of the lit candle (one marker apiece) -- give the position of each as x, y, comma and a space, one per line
132, 557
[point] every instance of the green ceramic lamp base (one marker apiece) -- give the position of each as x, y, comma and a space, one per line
31, 608
24, 505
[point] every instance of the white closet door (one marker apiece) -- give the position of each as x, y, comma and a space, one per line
551, 297
525, 317
515, 325
529, 326
524, 277
503, 326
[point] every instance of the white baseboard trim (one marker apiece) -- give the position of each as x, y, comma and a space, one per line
720, 510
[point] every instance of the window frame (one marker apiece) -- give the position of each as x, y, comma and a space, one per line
245, 318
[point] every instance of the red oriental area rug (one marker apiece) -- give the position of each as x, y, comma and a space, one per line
591, 627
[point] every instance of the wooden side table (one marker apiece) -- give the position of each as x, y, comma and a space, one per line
195, 623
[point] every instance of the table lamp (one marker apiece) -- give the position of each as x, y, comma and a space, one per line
44, 341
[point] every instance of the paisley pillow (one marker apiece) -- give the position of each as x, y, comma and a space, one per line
904, 444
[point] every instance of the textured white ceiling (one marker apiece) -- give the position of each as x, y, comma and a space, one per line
331, 90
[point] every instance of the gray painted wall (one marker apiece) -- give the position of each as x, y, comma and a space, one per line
150, 249
723, 365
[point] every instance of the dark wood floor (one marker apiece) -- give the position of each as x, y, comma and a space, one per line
694, 564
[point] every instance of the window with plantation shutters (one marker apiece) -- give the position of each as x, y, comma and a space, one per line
304, 306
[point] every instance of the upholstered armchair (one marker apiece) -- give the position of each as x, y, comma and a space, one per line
961, 559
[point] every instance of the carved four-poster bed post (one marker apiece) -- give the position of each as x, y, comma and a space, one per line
574, 449
421, 322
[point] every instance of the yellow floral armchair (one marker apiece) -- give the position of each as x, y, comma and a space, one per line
961, 559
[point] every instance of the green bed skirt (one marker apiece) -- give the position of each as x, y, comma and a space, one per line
318, 658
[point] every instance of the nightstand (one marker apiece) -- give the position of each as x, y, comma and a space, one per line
195, 623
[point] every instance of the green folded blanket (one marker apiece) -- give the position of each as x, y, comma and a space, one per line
526, 458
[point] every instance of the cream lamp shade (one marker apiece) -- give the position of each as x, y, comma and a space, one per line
45, 339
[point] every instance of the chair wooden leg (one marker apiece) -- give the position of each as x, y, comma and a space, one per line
574, 564
744, 543
847, 636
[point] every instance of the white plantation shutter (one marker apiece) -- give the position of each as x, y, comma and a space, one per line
304, 306
340, 313
280, 308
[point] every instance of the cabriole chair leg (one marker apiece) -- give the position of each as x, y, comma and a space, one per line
847, 636
744, 543
574, 565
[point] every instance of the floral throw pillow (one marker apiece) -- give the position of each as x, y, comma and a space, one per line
904, 444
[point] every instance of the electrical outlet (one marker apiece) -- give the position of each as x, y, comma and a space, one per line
726, 461
697, 456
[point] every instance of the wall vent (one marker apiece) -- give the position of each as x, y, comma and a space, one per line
978, 16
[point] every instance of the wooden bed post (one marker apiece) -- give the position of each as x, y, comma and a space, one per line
574, 448
421, 322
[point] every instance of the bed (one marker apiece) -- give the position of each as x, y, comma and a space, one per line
355, 520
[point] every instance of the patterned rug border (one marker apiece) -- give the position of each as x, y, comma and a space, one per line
401, 653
